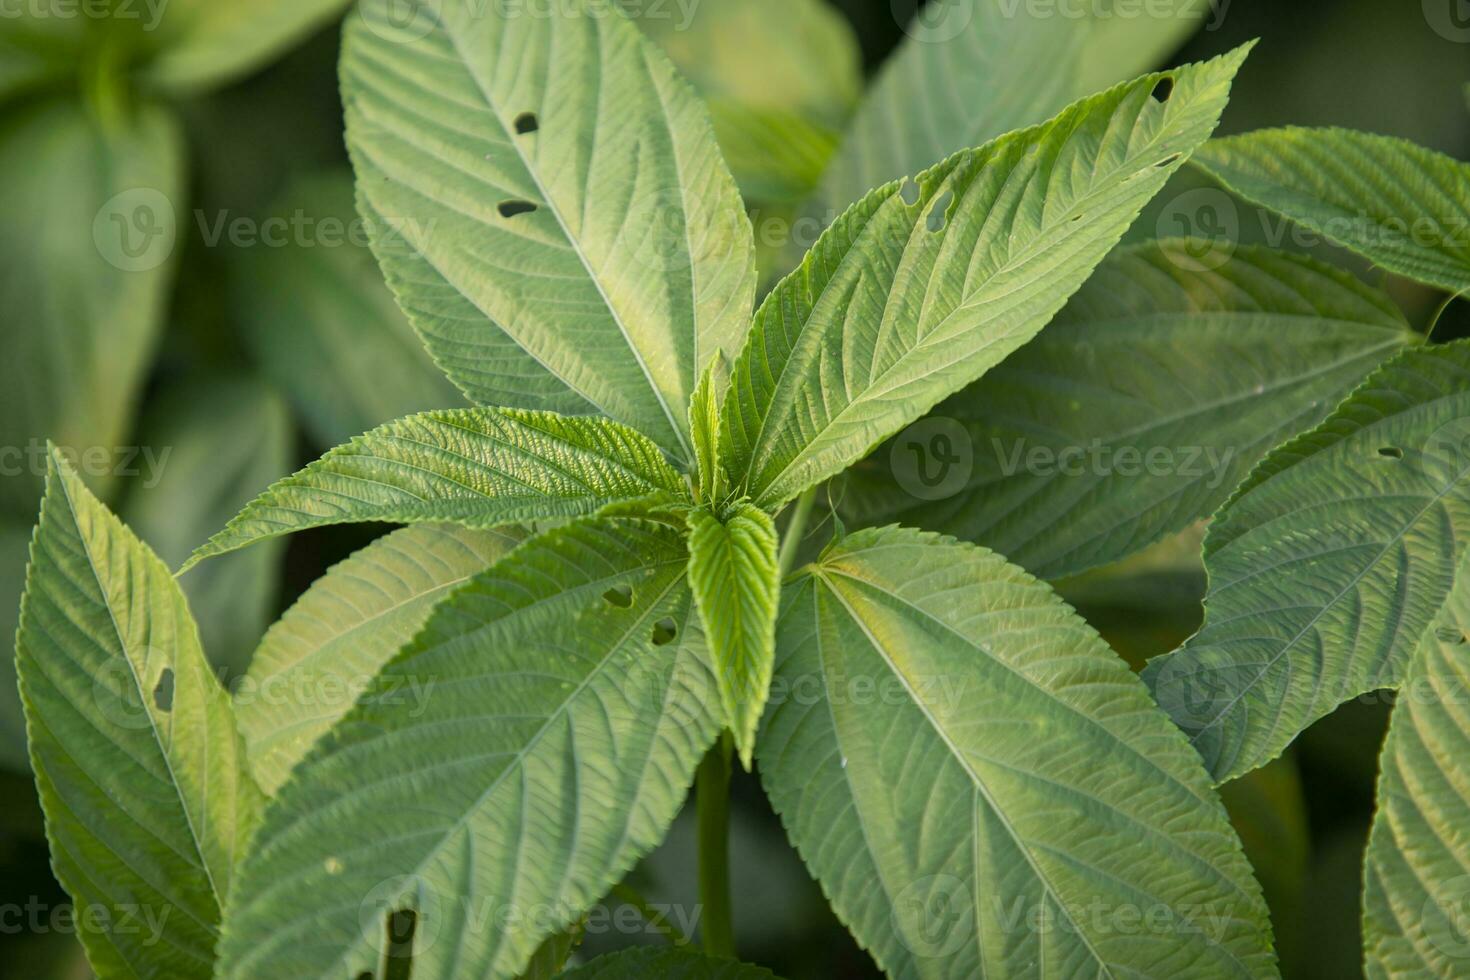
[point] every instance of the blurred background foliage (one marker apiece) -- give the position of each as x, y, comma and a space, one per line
235, 351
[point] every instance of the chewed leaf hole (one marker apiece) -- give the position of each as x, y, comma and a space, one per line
664, 632
619, 595
937, 218
527, 123
398, 963
163, 692
1164, 89
1391, 452
909, 192
509, 209
1168, 161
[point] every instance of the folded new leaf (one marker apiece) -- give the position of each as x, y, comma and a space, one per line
142, 775
737, 588
481, 468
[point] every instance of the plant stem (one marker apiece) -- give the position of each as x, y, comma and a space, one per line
712, 801
791, 543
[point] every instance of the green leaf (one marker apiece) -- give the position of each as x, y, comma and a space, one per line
704, 426
737, 588
780, 78
480, 467
207, 43
983, 788
1137, 411
953, 83
204, 447
925, 284
1329, 565
1399, 205
554, 740
315, 662
665, 964
552, 957
636, 265
1414, 879
324, 327
90, 217
140, 769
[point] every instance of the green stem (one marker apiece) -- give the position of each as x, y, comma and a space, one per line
712, 801
791, 543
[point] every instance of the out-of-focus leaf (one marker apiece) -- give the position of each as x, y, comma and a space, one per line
1397, 204
567, 700
926, 284
780, 78
479, 467
1269, 814
665, 964
1329, 565
1138, 410
970, 70
14, 553
141, 771
210, 42
205, 449
958, 754
322, 323
327, 648
37, 50
555, 253
85, 263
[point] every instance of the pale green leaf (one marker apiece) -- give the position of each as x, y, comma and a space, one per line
1329, 565
203, 449
704, 427
206, 43
480, 467
983, 788
142, 775
970, 70
925, 284
636, 265
1138, 410
1399, 205
780, 78
557, 740
665, 964
1416, 876
321, 323
90, 224
737, 588
313, 663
